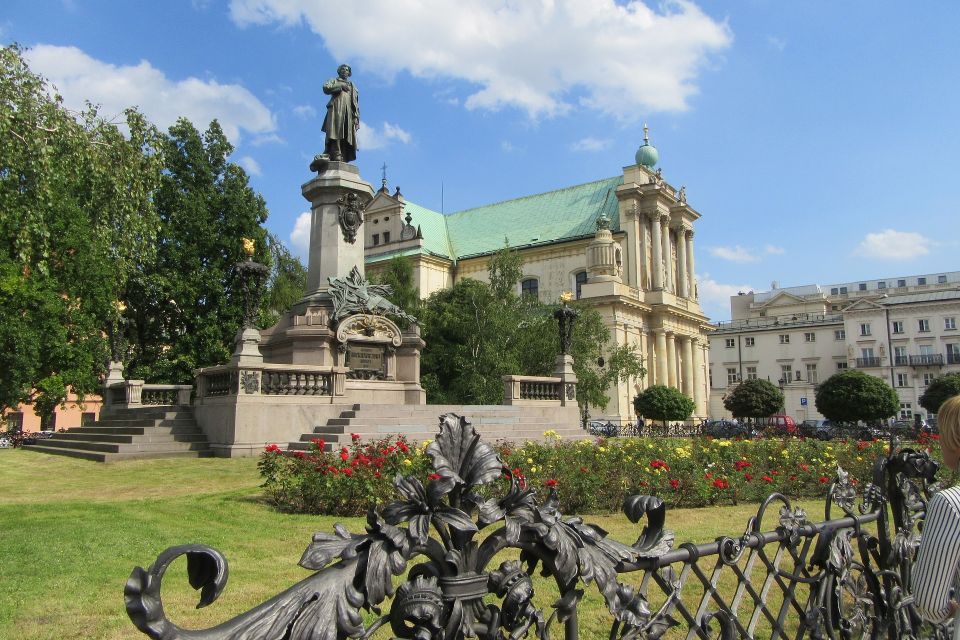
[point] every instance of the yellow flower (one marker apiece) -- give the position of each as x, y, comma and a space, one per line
407, 461
785, 453
533, 469
601, 449
859, 458
550, 434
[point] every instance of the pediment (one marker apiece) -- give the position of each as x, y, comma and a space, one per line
782, 299
863, 305
383, 202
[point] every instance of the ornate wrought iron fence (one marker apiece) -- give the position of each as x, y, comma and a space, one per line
845, 577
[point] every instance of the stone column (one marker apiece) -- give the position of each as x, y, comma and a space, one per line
699, 381
686, 355
331, 253
683, 290
671, 360
668, 283
692, 285
661, 350
657, 281
646, 360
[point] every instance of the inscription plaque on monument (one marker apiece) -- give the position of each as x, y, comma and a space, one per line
366, 362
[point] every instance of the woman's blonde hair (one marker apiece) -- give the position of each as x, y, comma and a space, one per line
948, 421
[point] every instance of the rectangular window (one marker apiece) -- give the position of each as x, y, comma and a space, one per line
784, 338
900, 355
866, 353
749, 342
897, 326
580, 279
834, 307
810, 337
950, 324
386, 237
15, 421
903, 380
834, 291
751, 373
87, 418
841, 366
928, 378
731, 376
812, 373
862, 286
376, 239
926, 349
881, 285
941, 279
921, 281
953, 354
923, 326
843, 291
906, 411
901, 283
530, 287
840, 334
786, 372
730, 343
864, 328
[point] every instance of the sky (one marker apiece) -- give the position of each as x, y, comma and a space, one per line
817, 139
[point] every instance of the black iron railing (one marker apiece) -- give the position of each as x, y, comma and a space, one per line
929, 359
868, 362
847, 576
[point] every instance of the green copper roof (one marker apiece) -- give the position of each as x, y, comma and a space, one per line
544, 218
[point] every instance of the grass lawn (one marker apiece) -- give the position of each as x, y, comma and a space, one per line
72, 530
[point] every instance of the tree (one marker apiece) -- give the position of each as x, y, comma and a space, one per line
399, 275
505, 268
754, 399
940, 390
660, 402
76, 216
287, 282
852, 396
591, 341
184, 307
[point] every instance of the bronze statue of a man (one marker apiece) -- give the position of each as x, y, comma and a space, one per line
343, 117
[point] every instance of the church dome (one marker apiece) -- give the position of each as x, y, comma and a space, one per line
647, 155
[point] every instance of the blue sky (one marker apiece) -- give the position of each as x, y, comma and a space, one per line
817, 139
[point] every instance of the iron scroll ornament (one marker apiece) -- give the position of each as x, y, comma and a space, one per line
443, 596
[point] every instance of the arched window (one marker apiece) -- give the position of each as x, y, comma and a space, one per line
580, 279
530, 287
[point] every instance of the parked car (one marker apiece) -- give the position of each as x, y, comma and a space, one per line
779, 424
906, 428
603, 428
726, 429
819, 429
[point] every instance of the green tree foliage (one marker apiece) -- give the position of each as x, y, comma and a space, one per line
505, 268
941, 389
286, 285
659, 402
754, 399
184, 307
851, 396
76, 216
591, 341
399, 275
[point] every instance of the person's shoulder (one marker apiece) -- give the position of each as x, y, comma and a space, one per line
949, 497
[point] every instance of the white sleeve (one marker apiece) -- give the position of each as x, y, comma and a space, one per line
937, 559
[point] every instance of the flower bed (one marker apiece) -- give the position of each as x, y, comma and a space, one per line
589, 475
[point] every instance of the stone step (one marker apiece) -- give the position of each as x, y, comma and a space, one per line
151, 413
124, 447
146, 422
96, 429
86, 436
101, 456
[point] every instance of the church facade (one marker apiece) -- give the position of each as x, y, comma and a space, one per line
623, 245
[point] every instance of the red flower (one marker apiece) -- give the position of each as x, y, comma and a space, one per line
320, 443
804, 467
584, 470
675, 484
767, 479
272, 448
433, 476
550, 483
747, 477
708, 476
644, 484
720, 483
740, 465
659, 464
862, 444
300, 454
792, 478
347, 471
824, 479
376, 474
333, 470
344, 454
404, 448
354, 436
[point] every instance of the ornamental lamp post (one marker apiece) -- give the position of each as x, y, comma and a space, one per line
250, 277
565, 317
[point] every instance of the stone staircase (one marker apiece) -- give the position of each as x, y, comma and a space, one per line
129, 434
421, 422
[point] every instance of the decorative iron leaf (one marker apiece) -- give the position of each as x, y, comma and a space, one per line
459, 452
489, 511
326, 547
456, 519
654, 540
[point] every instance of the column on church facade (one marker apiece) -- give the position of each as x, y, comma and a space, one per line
683, 290
667, 253
692, 280
699, 382
671, 360
657, 267
686, 356
661, 353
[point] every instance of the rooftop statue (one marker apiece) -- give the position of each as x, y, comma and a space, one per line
343, 117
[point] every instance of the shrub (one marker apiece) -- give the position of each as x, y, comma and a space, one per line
755, 398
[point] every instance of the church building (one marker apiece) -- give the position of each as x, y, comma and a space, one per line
623, 245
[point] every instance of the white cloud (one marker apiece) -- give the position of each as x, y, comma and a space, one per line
893, 245
300, 236
79, 77
773, 250
304, 111
622, 59
591, 144
715, 296
734, 254
373, 138
250, 165
267, 138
